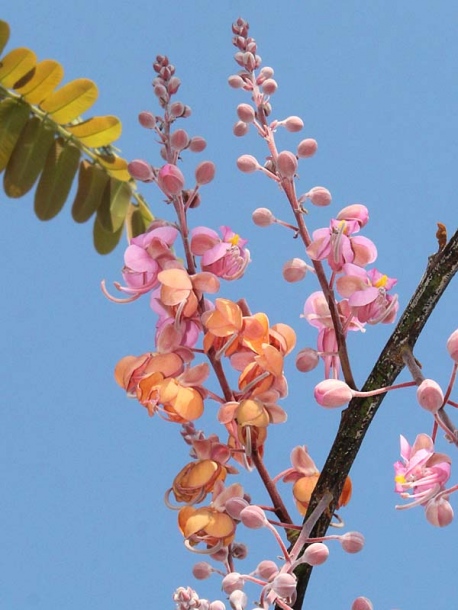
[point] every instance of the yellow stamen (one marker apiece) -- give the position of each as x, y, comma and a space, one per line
400, 478
234, 240
381, 282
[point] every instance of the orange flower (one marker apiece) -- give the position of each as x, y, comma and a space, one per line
196, 479
303, 489
206, 524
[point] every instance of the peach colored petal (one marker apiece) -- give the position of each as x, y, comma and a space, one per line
205, 282
226, 412
252, 413
288, 337
126, 367
270, 360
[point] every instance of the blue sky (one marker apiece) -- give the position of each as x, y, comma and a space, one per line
83, 469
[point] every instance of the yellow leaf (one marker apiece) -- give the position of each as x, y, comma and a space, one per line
28, 157
115, 203
71, 100
40, 82
15, 65
92, 180
4, 34
115, 166
13, 117
98, 131
105, 241
56, 180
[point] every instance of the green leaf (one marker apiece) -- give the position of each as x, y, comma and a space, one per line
56, 180
105, 241
71, 100
115, 204
28, 157
15, 65
92, 180
4, 34
40, 82
13, 117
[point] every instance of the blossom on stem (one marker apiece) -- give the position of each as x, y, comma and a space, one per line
226, 258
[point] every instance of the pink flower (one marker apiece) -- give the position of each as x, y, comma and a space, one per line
367, 294
422, 473
227, 257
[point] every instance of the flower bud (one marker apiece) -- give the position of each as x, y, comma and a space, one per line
238, 600
319, 196
352, 542
232, 582
161, 92
263, 217
439, 512
267, 569
332, 393
247, 164
293, 123
235, 81
177, 109
147, 119
234, 507
239, 550
179, 139
287, 164
357, 212
202, 570
316, 554
173, 85
452, 346
216, 605
170, 179
269, 86
205, 172
141, 170
266, 72
362, 603
240, 129
430, 395
284, 585
307, 148
197, 144
253, 517
245, 112
307, 360
294, 270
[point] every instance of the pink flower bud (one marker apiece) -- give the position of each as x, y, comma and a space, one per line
269, 86
234, 507
235, 81
186, 112
239, 550
284, 585
232, 582
316, 554
253, 517
170, 179
179, 139
452, 346
352, 542
197, 144
263, 217
245, 112
332, 393
205, 172
141, 170
161, 92
307, 148
202, 570
238, 600
216, 605
293, 123
247, 164
177, 109
147, 119
265, 72
294, 270
357, 212
439, 512
362, 603
173, 85
267, 569
319, 196
249, 61
240, 129
307, 360
287, 164
430, 395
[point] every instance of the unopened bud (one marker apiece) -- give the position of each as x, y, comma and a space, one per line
332, 393
147, 119
245, 112
205, 172
197, 144
265, 73
253, 517
249, 61
269, 86
177, 109
319, 196
173, 85
239, 550
362, 603
232, 582
238, 600
352, 542
202, 570
307, 148
284, 585
263, 217
179, 139
161, 92
235, 81
247, 164
267, 569
293, 123
294, 270
287, 164
170, 179
240, 129
141, 170
430, 395
452, 346
307, 360
316, 554
439, 512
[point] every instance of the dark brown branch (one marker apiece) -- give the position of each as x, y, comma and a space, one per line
356, 419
